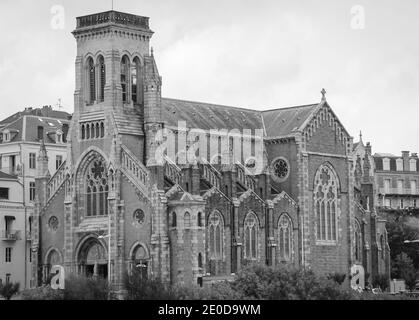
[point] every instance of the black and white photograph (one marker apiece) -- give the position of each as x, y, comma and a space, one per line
221, 153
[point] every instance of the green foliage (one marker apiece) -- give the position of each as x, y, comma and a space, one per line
287, 283
7, 291
42, 293
381, 281
403, 268
140, 288
86, 288
337, 277
398, 232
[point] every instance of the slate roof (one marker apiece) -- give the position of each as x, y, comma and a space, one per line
24, 125
39, 112
278, 122
282, 122
209, 116
7, 176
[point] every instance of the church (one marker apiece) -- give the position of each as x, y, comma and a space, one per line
192, 192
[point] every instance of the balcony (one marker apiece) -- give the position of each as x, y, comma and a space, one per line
12, 235
398, 191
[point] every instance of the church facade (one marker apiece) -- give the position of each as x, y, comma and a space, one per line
192, 192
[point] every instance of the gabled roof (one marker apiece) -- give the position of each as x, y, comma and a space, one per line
209, 116
275, 123
282, 122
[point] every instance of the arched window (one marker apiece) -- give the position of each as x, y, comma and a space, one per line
136, 82
358, 242
96, 189
174, 220
91, 80
250, 236
125, 78
326, 204
200, 263
200, 219
102, 78
215, 235
187, 220
285, 238
139, 261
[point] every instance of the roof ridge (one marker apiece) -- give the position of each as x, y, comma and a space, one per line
213, 104
294, 107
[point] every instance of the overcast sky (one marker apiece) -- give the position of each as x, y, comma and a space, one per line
257, 54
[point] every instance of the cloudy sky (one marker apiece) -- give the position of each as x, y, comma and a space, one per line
258, 54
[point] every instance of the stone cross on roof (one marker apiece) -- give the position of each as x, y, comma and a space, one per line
323, 92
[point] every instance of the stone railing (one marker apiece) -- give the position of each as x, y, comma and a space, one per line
56, 181
245, 179
113, 17
135, 169
210, 174
171, 171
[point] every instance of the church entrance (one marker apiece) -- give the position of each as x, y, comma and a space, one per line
93, 261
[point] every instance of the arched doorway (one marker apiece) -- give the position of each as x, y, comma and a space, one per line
92, 259
52, 258
140, 260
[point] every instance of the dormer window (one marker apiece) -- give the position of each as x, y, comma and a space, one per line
59, 136
6, 136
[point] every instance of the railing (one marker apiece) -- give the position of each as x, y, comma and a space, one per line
10, 235
56, 181
245, 179
135, 168
172, 172
115, 17
404, 191
211, 175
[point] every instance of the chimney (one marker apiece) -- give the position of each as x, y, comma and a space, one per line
406, 159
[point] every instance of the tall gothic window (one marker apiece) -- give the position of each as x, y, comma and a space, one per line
102, 75
136, 82
215, 235
285, 238
358, 242
97, 189
91, 70
250, 236
125, 78
326, 204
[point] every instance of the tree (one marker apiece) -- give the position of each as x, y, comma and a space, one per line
398, 232
8, 290
403, 268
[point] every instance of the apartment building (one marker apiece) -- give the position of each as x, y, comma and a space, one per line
21, 136
397, 179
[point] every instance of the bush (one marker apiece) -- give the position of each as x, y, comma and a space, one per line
87, 288
380, 281
8, 290
339, 278
139, 288
286, 283
42, 293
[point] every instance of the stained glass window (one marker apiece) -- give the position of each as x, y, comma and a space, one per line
215, 235
285, 237
250, 236
97, 189
325, 204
